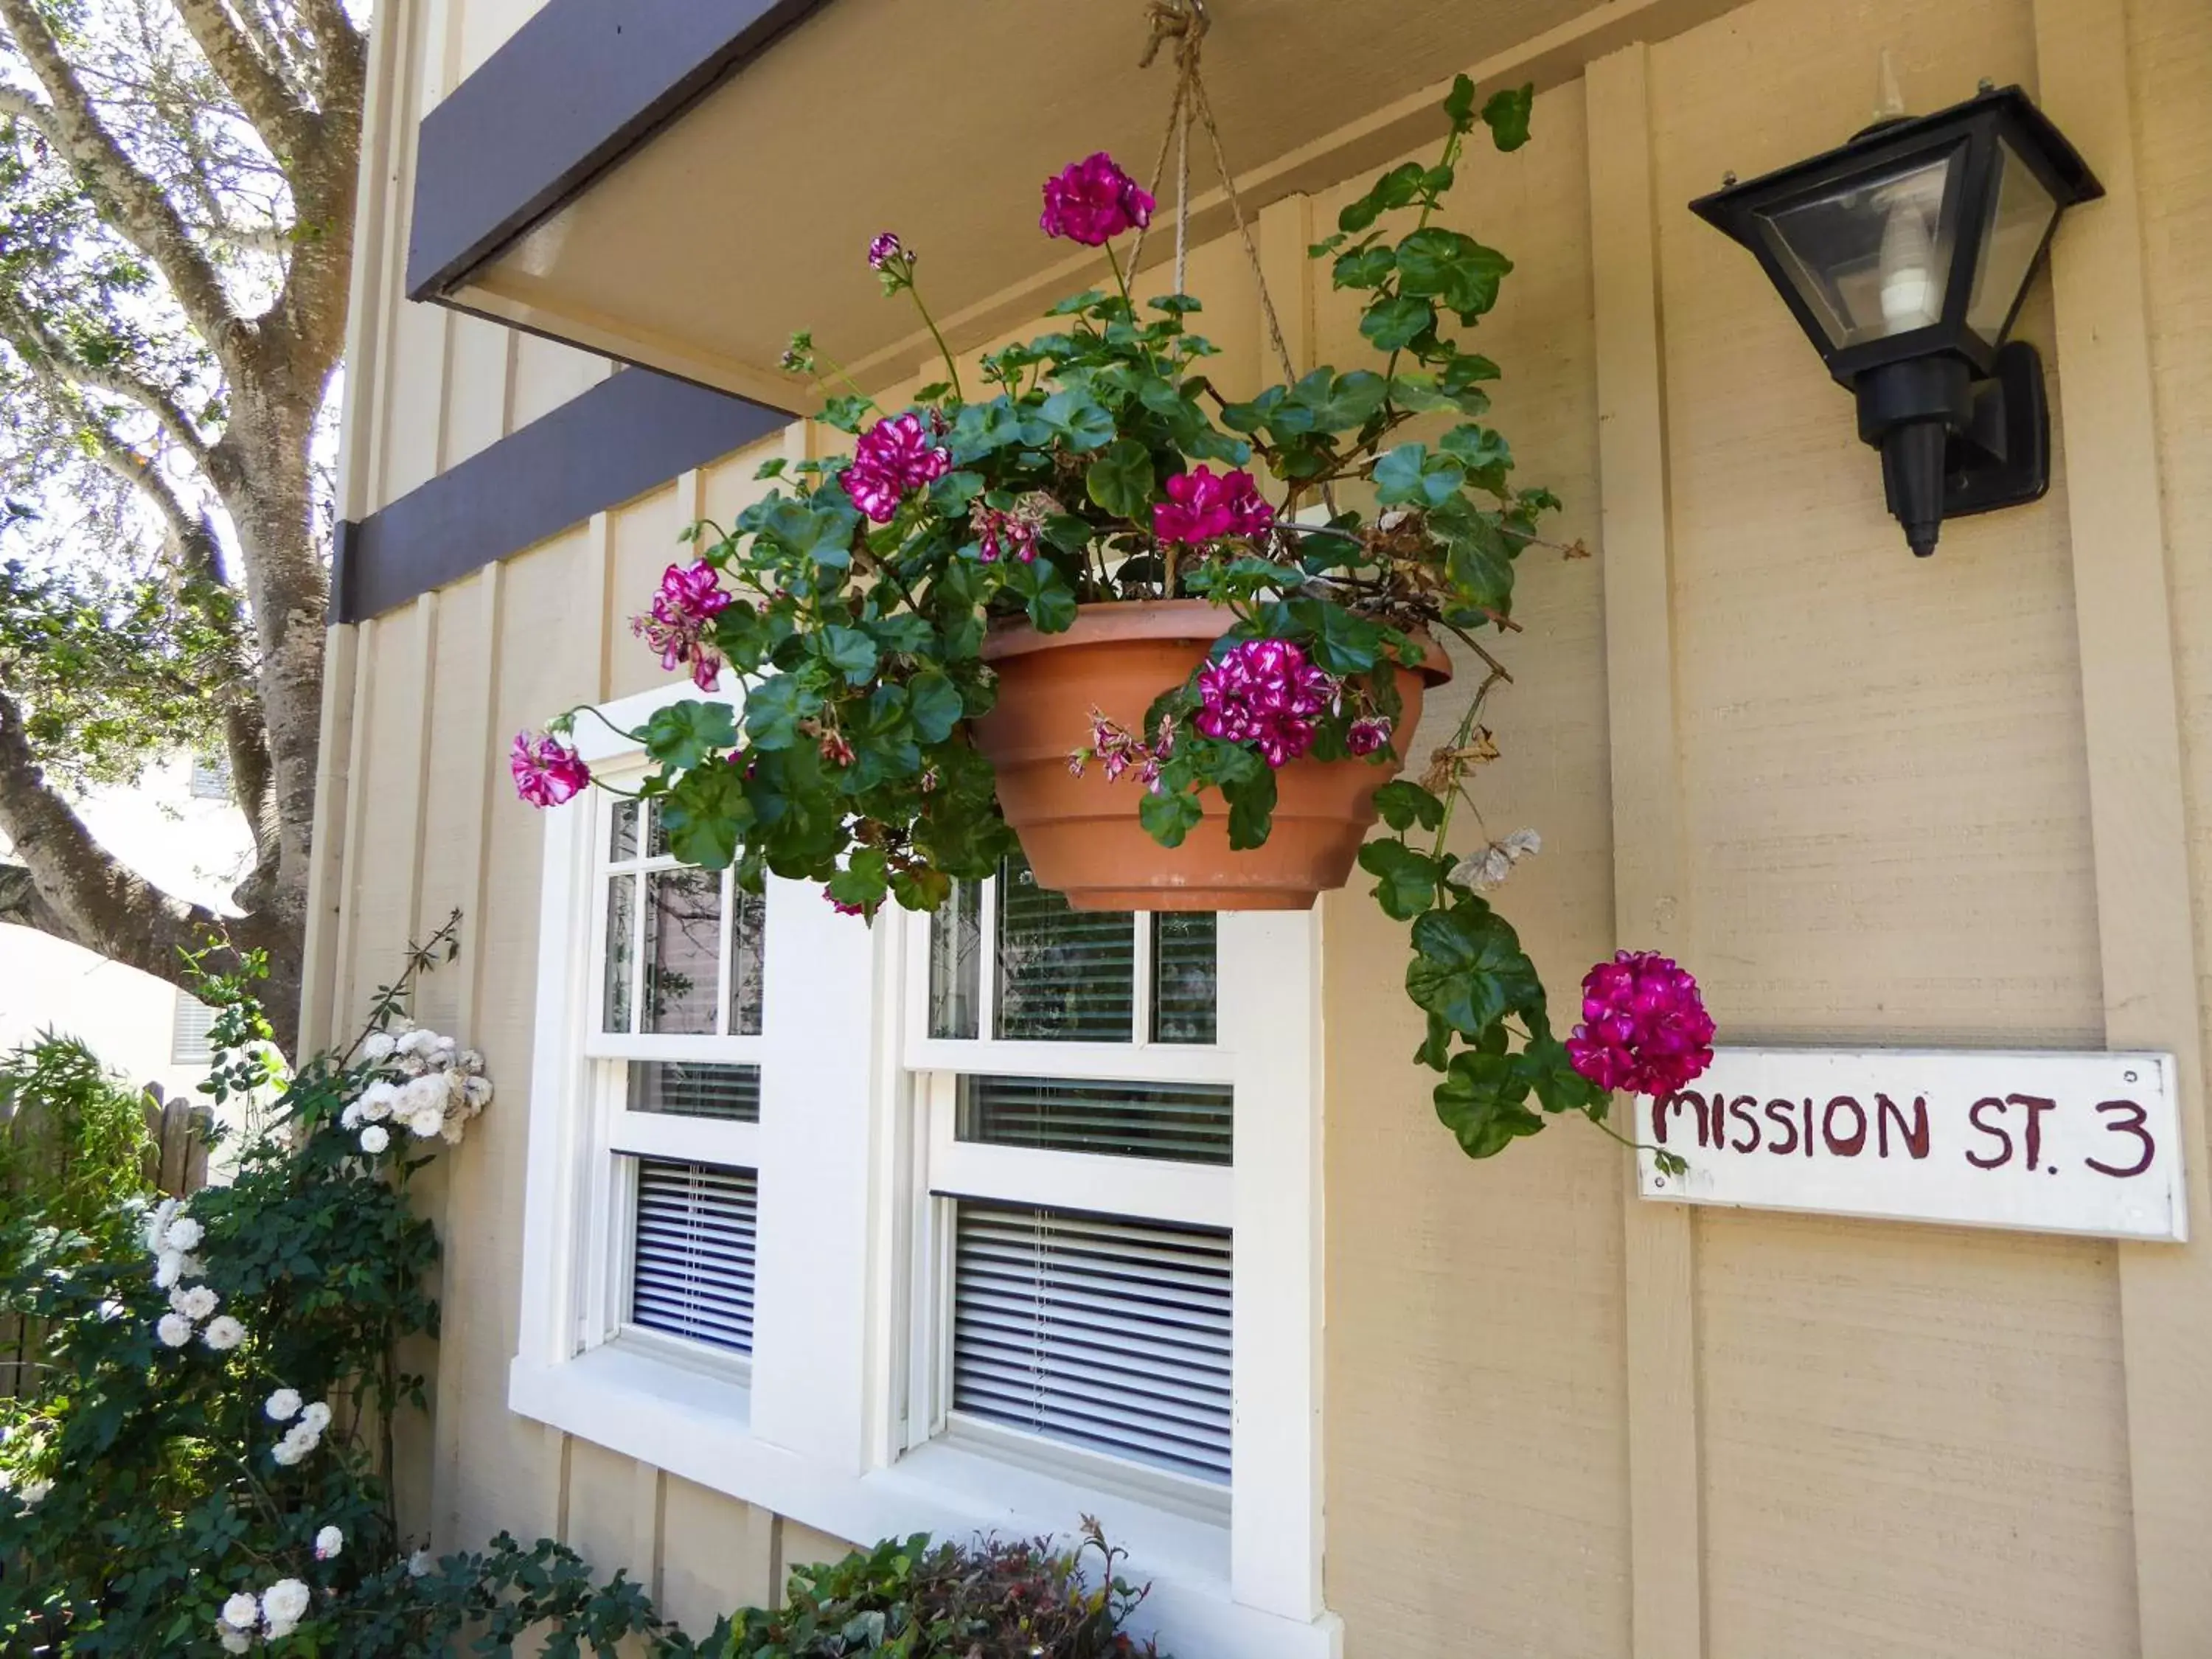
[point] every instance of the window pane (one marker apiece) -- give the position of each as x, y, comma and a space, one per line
1112, 1336
748, 961
1183, 977
683, 950
1872, 257
656, 833
1065, 975
691, 1268
621, 842
622, 906
956, 962
691, 1089
1189, 1123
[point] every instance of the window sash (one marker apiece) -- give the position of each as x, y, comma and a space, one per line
724, 1042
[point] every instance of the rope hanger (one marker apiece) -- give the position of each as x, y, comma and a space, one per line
1186, 22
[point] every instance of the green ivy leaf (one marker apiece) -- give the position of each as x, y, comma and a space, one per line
1078, 419
1470, 969
1251, 809
1120, 481
1459, 105
1392, 324
1409, 476
847, 650
1507, 115
1453, 267
1483, 452
1403, 805
774, 708
934, 704
1483, 1104
686, 734
1168, 816
1407, 880
706, 814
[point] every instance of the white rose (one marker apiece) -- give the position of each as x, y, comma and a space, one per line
426, 1123
378, 1099
283, 1603
175, 1329
282, 1405
417, 1041
168, 1268
34, 1491
374, 1138
291, 1448
378, 1046
429, 1089
234, 1641
223, 1334
241, 1612
184, 1234
328, 1542
157, 1224
476, 1090
316, 1418
350, 1118
468, 1062
195, 1302
418, 1564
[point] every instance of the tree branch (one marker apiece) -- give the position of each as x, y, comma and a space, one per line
56, 364
76, 888
139, 208
284, 125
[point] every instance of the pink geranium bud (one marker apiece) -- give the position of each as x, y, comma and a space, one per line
883, 249
1644, 1027
1364, 736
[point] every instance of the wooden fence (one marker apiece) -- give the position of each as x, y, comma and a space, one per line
175, 1161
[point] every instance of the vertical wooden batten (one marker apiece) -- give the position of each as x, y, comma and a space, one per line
2137, 811
1664, 1479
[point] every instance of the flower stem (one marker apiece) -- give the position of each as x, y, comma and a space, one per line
952, 369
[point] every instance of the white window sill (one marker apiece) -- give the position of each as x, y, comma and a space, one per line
691, 1422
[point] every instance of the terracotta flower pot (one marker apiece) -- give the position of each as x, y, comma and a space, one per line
1082, 835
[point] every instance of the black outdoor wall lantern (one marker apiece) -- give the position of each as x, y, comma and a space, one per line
1903, 255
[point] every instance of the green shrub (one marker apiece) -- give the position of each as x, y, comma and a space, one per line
202, 1462
915, 1599
75, 1141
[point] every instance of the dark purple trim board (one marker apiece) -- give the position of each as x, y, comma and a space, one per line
574, 90
633, 431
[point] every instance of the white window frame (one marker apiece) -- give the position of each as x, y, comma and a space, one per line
822, 1427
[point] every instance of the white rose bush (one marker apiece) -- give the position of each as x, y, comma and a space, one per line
202, 1465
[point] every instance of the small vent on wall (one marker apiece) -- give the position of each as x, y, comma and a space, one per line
1108, 1335
692, 1271
188, 1032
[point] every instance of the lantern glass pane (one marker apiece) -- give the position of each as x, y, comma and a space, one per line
2020, 213
1870, 258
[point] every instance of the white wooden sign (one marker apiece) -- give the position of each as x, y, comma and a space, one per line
2043, 1142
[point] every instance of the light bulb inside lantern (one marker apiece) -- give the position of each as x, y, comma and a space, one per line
1911, 297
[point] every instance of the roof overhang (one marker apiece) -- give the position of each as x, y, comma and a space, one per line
681, 183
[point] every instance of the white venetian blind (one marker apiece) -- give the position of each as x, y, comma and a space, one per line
1113, 1335
691, 1273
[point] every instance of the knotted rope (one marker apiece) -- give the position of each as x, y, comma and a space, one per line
1185, 23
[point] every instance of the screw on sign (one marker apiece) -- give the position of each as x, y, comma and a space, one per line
1936, 1135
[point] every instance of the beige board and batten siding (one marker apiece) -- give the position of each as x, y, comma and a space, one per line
1860, 794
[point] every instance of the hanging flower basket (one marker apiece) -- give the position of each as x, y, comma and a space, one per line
1075, 812
1171, 644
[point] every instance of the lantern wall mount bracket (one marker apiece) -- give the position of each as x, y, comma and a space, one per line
1904, 254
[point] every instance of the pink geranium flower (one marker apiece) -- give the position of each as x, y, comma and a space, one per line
683, 608
1265, 692
1644, 1027
546, 770
1202, 507
1093, 201
892, 458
